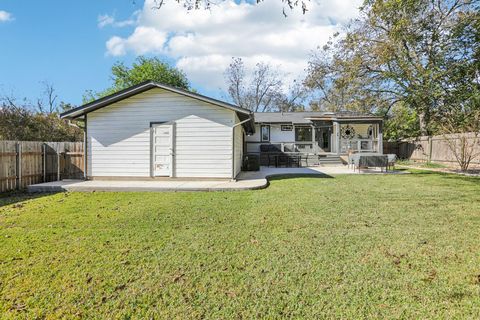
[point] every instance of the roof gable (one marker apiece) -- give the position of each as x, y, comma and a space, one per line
142, 87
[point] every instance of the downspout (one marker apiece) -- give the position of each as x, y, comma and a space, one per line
233, 145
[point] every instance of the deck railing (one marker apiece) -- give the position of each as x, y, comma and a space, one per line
359, 145
356, 145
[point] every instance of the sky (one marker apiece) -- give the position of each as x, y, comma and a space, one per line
73, 44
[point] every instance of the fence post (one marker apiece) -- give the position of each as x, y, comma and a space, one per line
429, 155
44, 162
58, 166
18, 164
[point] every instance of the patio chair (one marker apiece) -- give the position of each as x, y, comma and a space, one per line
282, 160
392, 158
272, 160
304, 156
351, 158
294, 161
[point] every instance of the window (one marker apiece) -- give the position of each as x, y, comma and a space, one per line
286, 127
265, 133
303, 134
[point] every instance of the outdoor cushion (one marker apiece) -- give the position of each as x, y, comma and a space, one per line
371, 161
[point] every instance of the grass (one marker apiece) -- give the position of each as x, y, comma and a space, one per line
359, 246
421, 164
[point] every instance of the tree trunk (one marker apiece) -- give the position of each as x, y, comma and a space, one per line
423, 119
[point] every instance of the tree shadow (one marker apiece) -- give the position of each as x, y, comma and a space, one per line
447, 176
12, 197
284, 176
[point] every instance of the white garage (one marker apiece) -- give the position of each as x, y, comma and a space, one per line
154, 130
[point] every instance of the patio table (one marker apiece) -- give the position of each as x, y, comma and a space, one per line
289, 159
377, 160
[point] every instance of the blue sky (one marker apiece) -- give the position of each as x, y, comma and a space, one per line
59, 42
73, 44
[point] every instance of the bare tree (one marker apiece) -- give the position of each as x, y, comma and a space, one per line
48, 103
294, 99
261, 93
462, 137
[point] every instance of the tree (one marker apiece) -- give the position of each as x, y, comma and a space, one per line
207, 4
50, 105
262, 90
142, 69
293, 100
462, 134
400, 122
405, 52
20, 121
38, 121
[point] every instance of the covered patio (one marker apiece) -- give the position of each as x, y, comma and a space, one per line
317, 137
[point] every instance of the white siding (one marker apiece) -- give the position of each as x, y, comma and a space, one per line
119, 136
238, 147
276, 136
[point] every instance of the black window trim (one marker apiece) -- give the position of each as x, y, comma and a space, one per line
303, 126
261, 133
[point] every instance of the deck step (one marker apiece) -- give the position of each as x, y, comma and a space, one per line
330, 160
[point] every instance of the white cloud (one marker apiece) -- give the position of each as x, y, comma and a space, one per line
202, 42
143, 40
109, 20
5, 16
105, 20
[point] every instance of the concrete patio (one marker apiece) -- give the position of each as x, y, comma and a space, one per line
247, 180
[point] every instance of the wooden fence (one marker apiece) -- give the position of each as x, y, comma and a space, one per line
23, 163
426, 148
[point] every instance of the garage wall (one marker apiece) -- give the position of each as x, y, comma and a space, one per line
238, 147
119, 136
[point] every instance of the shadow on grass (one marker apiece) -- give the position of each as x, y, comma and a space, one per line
12, 197
284, 176
447, 176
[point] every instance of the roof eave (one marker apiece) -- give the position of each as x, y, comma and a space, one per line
142, 87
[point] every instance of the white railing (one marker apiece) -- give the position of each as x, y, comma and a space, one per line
359, 145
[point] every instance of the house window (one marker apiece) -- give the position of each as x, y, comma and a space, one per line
286, 127
265, 133
303, 134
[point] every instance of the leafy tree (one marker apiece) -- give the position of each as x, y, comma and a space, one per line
401, 122
420, 53
21, 121
142, 69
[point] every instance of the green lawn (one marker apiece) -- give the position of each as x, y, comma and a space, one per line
359, 246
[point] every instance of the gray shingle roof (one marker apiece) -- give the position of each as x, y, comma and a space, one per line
305, 117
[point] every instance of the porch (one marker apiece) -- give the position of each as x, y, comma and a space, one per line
316, 141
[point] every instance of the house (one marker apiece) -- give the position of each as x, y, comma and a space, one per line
153, 130
317, 134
